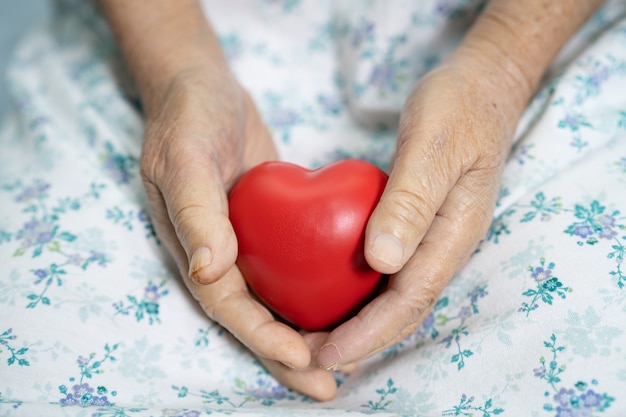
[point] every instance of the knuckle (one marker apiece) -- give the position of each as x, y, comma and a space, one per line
148, 172
410, 310
215, 304
185, 219
409, 208
418, 305
158, 168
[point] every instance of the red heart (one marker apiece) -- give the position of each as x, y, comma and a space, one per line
300, 235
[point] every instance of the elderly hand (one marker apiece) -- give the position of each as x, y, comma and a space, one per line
202, 136
454, 137
453, 140
203, 132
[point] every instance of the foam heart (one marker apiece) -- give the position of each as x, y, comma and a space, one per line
300, 234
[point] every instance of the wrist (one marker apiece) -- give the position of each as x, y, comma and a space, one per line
189, 78
497, 88
515, 42
165, 44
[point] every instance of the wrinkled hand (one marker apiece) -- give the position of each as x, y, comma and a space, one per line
201, 136
454, 136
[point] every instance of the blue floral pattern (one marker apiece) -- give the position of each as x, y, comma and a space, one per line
17, 355
581, 399
593, 225
43, 232
81, 393
548, 286
466, 407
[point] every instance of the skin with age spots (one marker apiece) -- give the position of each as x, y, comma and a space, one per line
203, 131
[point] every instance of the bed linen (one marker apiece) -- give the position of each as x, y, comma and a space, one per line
95, 322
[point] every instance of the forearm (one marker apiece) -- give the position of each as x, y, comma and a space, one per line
161, 39
519, 39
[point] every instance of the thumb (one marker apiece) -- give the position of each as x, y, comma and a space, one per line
417, 188
190, 208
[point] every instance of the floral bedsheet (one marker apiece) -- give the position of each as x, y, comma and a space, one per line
94, 322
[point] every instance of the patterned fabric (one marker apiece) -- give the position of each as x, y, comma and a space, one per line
94, 322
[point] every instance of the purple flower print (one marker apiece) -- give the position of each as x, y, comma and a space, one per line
191, 413
180, 413
151, 294
118, 166
596, 79
445, 8
82, 361
70, 399
98, 257
574, 122
7, 335
428, 321
447, 341
362, 32
565, 412
33, 192
582, 406
283, 118
563, 397
569, 404
82, 395
541, 274
591, 399
583, 230
100, 401
608, 223
117, 169
143, 216
75, 259
36, 232
277, 392
41, 274
330, 104
428, 329
382, 76
454, 9
607, 234
465, 312
579, 401
477, 292
264, 390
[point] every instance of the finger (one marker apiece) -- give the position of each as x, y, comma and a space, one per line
313, 382
228, 302
424, 171
453, 236
315, 341
164, 229
401, 336
188, 185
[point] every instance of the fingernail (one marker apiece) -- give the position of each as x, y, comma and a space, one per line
200, 259
328, 357
387, 249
